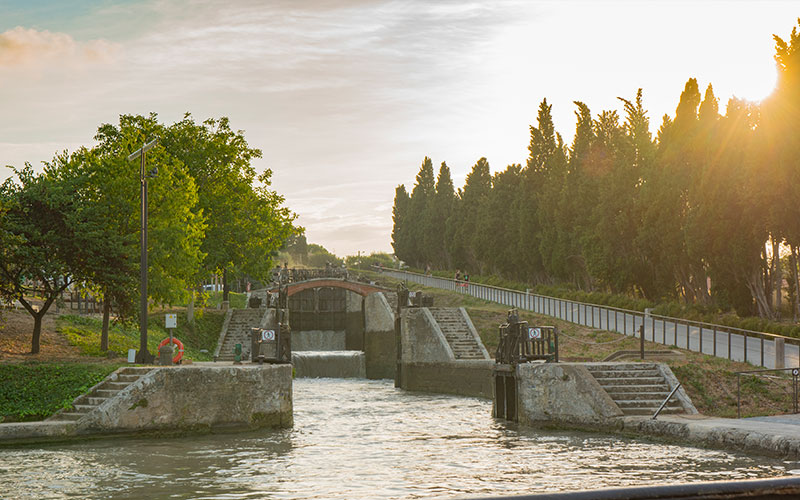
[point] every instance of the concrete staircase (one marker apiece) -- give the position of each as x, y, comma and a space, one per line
637, 388
238, 332
100, 393
455, 329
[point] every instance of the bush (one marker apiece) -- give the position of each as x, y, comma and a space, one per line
34, 391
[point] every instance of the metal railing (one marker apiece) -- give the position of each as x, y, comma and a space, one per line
723, 341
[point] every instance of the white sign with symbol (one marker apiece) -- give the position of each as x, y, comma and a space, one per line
534, 333
795, 372
171, 321
267, 335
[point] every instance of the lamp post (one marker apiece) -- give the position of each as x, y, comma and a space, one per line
143, 356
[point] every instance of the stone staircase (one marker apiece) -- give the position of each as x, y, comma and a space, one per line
637, 388
238, 332
456, 331
100, 393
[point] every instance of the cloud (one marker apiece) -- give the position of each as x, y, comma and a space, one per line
27, 47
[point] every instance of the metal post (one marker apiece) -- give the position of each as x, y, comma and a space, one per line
143, 355
715, 341
701, 339
744, 337
738, 389
641, 340
729, 345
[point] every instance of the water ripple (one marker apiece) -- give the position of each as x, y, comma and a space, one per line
365, 439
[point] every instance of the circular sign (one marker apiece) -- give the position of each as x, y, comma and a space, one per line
534, 333
795, 372
267, 335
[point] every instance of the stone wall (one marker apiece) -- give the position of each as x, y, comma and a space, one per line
354, 321
463, 378
428, 363
204, 397
319, 340
561, 393
422, 339
380, 344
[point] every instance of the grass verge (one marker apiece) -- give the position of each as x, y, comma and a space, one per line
34, 391
84, 332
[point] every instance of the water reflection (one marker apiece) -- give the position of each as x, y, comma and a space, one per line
365, 439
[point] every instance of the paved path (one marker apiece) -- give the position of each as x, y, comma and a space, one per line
706, 339
777, 436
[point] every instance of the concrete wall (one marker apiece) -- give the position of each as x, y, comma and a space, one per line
354, 321
194, 396
561, 393
463, 378
319, 340
380, 344
422, 339
340, 364
428, 363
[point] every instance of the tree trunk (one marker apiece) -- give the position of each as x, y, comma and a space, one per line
756, 286
190, 308
225, 286
794, 261
777, 277
37, 333
104, 331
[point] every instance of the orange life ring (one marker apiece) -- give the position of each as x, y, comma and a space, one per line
175, 341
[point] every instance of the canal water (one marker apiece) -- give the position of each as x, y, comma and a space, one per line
355, 438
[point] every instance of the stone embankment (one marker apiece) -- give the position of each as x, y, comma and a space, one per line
604, 397
175, 399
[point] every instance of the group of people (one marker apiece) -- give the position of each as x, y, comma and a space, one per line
459, 278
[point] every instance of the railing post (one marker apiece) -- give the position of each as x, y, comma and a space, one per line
738, 387
641, 340
715, 341
745, 337
780, 353
701, 339
729, 345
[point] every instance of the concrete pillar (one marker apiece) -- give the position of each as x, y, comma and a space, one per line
780, 353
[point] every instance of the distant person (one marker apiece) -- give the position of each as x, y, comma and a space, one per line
458, 275
428, 270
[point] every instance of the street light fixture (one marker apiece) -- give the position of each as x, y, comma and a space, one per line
143, 356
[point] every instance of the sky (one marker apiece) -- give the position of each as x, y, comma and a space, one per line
347, 97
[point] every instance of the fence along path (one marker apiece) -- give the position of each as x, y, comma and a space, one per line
757, 348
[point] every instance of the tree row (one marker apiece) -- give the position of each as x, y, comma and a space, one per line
707, 211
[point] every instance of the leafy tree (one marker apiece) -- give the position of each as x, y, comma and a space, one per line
43, 246
497, 247
779, 148
175, 231
400, 234
246, 221
439, 210
477, 187
419, 227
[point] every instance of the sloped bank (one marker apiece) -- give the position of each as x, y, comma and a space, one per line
179, 399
